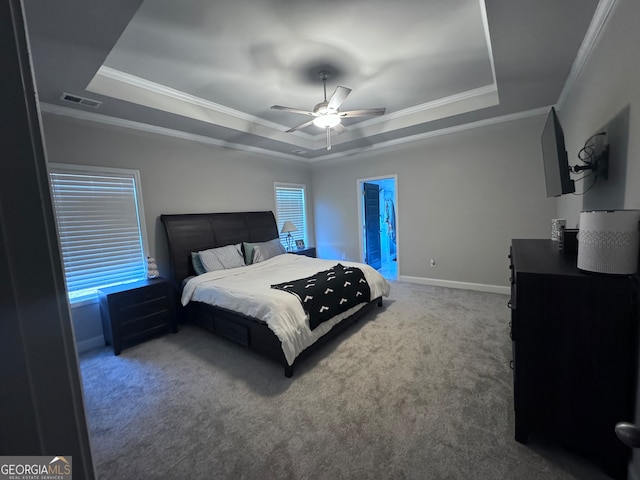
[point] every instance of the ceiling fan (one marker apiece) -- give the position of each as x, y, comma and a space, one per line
326, 114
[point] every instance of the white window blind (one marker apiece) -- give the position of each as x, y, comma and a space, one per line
291, 206
98, 221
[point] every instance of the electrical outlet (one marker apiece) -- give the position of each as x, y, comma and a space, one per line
432, 262
344, 256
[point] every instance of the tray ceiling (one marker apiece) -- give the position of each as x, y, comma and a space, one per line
211, 70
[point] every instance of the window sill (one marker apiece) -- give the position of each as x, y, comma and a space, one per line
83, 303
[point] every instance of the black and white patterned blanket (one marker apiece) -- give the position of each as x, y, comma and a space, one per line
329, 293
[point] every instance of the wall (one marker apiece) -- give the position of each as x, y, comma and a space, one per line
609, 88
461, 199
177, 176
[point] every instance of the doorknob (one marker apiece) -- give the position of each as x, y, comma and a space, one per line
628, 434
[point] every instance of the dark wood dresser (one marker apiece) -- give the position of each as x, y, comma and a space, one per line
135, 312
574, 337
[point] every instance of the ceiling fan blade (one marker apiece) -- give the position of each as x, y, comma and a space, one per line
367, 112
292, 110
339, 128
338, 97
303, 125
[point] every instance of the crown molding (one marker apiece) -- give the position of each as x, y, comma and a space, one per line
144, 127
437, 133
115, 83
129, 88
148, 85
169, 132
487, 34
598, 22
424, 107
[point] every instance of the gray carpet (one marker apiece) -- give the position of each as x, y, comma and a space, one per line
419, 389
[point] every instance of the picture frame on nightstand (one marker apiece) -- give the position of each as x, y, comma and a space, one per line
299, 243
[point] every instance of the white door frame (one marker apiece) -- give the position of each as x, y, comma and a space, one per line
360, 226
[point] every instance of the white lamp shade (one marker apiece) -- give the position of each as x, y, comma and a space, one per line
288, 227
608, 241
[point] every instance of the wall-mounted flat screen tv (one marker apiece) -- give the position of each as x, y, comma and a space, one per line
556, 162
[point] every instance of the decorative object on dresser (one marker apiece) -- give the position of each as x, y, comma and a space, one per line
287, 228
574, 338
557, 226
152, 268
239, 304
134, 312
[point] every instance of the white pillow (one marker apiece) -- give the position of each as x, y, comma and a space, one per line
222, 258
231, 256
266, 250
210, 260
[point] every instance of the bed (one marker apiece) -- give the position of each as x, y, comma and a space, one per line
212, 300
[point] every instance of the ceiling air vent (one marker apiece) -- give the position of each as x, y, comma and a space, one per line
87, 102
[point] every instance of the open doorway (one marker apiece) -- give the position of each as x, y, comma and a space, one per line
377, 215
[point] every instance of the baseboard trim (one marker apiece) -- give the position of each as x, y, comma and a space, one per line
436, 282
90, 344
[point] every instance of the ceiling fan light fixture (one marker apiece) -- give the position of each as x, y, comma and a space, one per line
326, 113
327, 121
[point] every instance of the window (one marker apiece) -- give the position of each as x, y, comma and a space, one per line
291, 206
98, 215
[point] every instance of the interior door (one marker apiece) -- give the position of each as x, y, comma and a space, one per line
371, 197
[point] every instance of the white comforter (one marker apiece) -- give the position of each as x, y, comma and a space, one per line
248, 290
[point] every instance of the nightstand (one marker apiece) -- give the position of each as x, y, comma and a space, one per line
135, 312
306, 251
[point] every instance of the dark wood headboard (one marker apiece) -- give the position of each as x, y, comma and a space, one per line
192, 232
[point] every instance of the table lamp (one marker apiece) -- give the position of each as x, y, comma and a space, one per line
287, 228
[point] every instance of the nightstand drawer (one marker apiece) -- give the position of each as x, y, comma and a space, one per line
128, 298
128, 312
143, 323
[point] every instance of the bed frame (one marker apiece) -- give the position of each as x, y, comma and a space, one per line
193, 232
